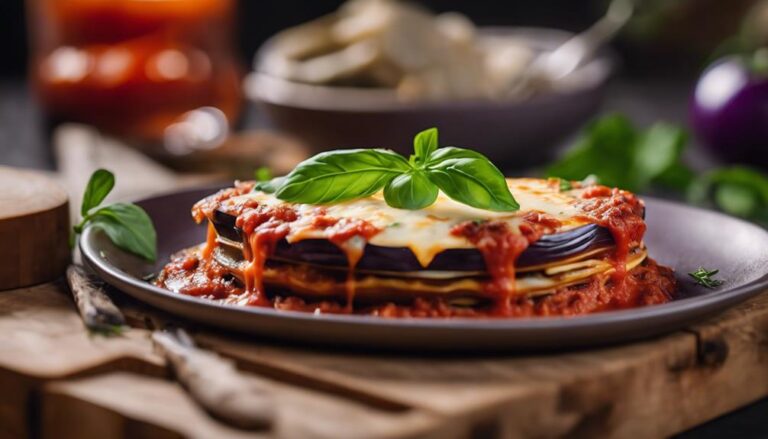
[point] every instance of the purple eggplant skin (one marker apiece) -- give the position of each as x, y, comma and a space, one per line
729, 111
550, 248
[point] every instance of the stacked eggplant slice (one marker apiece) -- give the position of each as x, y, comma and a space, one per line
415, 256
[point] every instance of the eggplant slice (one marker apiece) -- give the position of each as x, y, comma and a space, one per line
550, 248
318, 282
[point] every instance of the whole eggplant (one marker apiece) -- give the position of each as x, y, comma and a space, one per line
729, 108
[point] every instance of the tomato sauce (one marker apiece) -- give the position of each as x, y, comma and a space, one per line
646, 284
341, 233
264, 226
188, 273
501, 246
196, 272
620, 212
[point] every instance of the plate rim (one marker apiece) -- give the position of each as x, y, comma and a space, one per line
723, 299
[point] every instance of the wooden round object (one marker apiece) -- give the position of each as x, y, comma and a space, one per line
34, 228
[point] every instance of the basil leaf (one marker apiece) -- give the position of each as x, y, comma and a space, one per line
678, 176
452, 152
270, 186
605, 149
470, 178
99, 186
736, 199
737, 190
335, 176
631, 159
656, 150
129, 227
424, 144
410, 191
263, 173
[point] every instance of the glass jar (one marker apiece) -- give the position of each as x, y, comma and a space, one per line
133, 67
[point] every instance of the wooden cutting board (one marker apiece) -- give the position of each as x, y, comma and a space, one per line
34, 228
59, 382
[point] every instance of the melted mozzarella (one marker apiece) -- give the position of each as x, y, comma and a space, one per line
427, 232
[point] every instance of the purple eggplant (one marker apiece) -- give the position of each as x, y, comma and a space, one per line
549, 248
729, 109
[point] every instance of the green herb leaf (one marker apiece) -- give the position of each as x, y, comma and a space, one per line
704, 277
269, 186
334, 176
129, 227
603, 149
337, 176
736, 199
621, 156
424, 144
655, 151
565, 185
678, 177
410, 191
470, 178
759, 62
99, 186
263, 173
737, 190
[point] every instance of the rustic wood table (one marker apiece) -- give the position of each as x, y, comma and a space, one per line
59, 381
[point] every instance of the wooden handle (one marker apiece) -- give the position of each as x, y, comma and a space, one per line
34, 228
215, 383
97, 310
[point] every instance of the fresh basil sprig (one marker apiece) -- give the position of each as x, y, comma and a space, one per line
126, 224
335, 176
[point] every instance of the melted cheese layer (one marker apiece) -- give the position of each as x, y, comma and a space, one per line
427, 232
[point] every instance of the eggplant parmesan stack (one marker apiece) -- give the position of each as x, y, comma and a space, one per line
565, 252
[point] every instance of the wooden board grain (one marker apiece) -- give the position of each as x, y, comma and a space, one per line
163, 405
118, 388
34, 228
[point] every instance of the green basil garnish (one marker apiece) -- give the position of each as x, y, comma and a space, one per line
99, 186
335, 176
127, 225
410, 191
470, 178
424, 144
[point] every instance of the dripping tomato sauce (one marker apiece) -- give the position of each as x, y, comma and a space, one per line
341, 233
263, 226
500, 246
197, 273
646, 284
620, 212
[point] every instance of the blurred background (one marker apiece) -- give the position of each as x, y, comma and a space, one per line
667, 97
658, 96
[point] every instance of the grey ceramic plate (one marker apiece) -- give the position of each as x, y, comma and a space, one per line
678, 236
